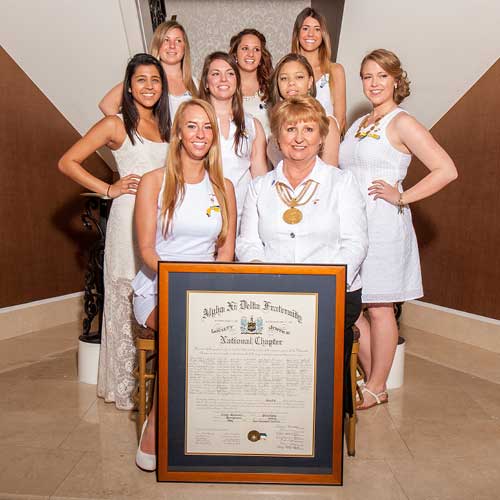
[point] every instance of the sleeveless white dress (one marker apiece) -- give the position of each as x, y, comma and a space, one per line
192, 236
236, 167
174, 101
323, 93
391, 271
255, 106
121, 263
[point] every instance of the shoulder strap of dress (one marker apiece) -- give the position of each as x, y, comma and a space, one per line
389, 116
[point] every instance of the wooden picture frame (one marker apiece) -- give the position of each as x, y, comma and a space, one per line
185, 454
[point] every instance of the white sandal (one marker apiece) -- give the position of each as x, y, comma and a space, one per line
376, 397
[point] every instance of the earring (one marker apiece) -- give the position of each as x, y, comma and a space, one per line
129, 90
395, 85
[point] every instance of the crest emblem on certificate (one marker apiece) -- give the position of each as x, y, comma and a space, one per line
251, 326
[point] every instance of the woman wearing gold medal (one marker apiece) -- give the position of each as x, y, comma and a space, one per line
305, 211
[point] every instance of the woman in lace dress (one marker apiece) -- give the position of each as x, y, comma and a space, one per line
170, 45
311, 39
378, 149
249, 50
138, 140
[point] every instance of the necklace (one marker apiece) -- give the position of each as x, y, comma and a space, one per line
293, 215
372, 131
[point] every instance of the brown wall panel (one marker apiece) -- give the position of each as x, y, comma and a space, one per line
459, 228
43, 243
333, 10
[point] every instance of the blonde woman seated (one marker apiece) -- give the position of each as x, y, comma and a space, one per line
305, 211
294, 77
186, 211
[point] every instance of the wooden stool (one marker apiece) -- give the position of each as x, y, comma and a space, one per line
354, 368
146, 347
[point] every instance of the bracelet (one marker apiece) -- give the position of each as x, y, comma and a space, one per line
400, 203
107, 191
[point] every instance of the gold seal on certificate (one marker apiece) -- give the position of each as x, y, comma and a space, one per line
253, 436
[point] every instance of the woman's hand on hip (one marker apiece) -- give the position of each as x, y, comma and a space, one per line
383, 190
124, 185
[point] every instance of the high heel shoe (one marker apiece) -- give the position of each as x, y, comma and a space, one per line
143, 460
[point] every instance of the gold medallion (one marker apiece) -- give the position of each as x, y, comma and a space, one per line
253, 436
292, 216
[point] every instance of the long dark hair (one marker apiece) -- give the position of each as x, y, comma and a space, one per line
160, 109
237, 101
265, 67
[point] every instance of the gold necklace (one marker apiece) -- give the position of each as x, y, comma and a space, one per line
293, 215
372, 131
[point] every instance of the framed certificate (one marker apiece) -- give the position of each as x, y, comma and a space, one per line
250, 373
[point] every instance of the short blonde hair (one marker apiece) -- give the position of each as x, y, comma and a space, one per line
390, 62
299, 109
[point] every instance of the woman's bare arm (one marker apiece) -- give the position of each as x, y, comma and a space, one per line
225, 252
145, 216
338, 94
107, 132
330, 153
258, 159
112, 102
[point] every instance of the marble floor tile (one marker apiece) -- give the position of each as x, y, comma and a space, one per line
103, 429
115, 477
36, 429
31, 471
377, 436
448, 478
25, 394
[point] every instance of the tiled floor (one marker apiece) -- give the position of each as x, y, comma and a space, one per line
437, 439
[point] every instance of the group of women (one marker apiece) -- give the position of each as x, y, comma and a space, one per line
256, 170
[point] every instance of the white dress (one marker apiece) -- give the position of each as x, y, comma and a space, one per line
391, 271
323, 93
121, 263
236, 167
174, 101
255, 106
192, 237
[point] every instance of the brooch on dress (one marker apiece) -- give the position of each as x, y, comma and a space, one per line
212, 208
323, 80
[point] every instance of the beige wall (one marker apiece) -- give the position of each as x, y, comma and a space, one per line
445, 46
73, 51
211, 23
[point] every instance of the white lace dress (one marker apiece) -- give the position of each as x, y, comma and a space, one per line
391, 271
121, 263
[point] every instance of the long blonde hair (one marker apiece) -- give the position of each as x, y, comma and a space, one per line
156, 42
174, 189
